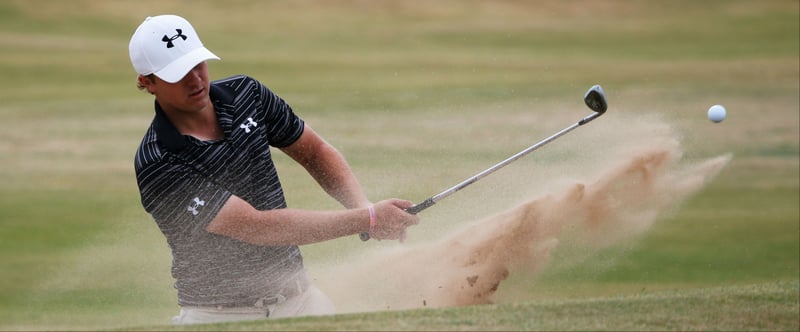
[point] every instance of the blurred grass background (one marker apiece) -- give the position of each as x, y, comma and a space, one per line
418, 95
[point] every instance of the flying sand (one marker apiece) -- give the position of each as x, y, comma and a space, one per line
469, 266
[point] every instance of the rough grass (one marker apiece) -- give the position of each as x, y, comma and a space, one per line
418, 95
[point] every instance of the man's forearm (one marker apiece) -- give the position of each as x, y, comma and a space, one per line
331, 171
328, 167
239, 220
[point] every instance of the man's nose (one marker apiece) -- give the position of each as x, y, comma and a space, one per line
192, 76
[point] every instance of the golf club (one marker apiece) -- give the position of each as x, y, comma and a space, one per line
595, 99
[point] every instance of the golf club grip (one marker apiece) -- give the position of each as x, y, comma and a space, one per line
412, 210
421, 206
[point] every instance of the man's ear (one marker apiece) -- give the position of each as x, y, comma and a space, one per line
147, 83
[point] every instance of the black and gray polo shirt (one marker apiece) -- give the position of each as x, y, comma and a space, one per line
184, 182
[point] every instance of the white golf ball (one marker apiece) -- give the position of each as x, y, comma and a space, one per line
716, 113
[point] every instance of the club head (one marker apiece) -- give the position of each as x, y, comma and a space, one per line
595, 98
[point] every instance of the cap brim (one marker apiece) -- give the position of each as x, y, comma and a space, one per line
176, 70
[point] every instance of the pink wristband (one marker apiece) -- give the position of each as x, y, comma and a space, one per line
372, 220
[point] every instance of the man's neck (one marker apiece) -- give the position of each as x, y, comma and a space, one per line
202, 124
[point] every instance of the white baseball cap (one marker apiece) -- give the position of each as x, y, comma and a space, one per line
167, 46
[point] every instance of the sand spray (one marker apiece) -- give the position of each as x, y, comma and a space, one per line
468, 265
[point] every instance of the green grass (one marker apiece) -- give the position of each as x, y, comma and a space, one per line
767, 306
418, 95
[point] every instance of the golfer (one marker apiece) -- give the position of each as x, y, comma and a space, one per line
206, 175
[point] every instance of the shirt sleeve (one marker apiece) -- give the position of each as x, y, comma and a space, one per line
284, 127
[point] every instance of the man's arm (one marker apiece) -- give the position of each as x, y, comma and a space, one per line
328, 167
240, 220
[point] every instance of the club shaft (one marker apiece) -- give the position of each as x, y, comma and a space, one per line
444, 194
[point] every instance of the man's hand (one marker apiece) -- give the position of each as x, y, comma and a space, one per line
391, 220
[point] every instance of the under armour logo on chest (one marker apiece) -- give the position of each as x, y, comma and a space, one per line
169, 40
195, 204
246, 126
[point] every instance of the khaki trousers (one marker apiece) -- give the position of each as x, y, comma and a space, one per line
312, 302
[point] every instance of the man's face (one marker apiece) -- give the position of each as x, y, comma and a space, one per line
190, 94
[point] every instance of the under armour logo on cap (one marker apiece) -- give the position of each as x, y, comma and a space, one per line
167, 46
169, 40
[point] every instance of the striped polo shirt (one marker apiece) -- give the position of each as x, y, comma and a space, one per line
184, 182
